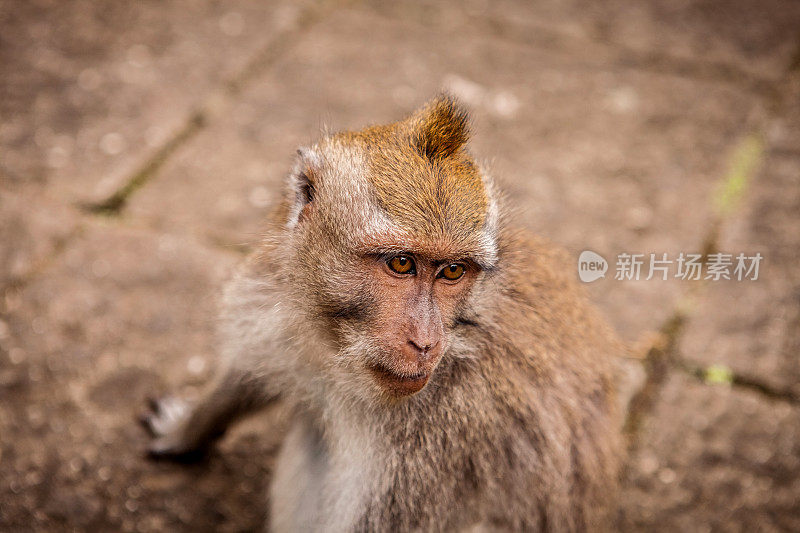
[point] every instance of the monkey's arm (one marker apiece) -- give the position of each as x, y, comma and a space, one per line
251, 376
185, 431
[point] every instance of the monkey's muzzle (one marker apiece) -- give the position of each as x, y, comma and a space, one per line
398, 384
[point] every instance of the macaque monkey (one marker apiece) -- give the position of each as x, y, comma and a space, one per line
441, 367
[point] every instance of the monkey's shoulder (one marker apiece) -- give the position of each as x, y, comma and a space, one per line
541, 316
536, 281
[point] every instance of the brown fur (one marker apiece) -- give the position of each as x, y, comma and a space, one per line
421, 174
516, 428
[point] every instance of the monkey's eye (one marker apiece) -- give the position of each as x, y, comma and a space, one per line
452, 272
402, 264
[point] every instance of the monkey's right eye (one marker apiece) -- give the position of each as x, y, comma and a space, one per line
401, 264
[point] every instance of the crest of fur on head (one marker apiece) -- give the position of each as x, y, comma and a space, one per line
408, 185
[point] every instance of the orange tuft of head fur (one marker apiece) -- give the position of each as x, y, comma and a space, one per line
422, 175
441, 128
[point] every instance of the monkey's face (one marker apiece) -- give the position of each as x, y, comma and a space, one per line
386, 301
414, 300
389, 314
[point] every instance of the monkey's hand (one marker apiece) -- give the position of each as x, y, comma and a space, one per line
167, 421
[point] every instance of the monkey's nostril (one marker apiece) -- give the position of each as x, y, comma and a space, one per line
423, 347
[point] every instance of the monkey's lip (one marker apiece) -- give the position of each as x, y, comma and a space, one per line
401, 384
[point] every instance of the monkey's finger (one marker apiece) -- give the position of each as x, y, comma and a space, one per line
172, 409
146, 421
163, 450
154, 404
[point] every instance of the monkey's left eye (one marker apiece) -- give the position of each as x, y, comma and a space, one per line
402, 264
452, 272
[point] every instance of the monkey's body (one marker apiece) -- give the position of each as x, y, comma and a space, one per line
494, 410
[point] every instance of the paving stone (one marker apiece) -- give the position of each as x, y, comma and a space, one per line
748, 38
32, 229
88, 89
124, 291
715, 459
118, 317
754, 326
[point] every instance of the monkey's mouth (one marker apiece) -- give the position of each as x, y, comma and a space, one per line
399, 384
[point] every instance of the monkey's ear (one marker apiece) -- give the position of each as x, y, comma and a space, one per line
302, 186
440, 128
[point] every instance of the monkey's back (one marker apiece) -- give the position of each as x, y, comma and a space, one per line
554, 357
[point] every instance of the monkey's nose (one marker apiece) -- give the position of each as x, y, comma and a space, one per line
421, 346
425, 348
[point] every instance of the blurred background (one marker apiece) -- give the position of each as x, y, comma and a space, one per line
141, 143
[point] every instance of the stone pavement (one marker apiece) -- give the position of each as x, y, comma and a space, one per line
140, 144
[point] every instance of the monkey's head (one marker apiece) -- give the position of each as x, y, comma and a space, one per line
388, 230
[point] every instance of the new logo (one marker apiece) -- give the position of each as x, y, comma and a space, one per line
591, 266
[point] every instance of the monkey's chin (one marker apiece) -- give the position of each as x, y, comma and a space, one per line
399, 385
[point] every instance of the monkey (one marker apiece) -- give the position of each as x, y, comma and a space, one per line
442, 367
